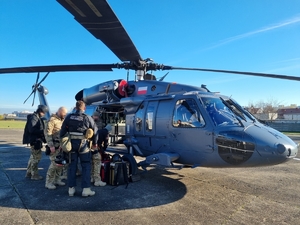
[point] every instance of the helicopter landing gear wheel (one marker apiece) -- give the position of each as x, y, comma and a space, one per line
132, 163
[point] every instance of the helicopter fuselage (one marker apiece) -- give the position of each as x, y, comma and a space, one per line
168, 122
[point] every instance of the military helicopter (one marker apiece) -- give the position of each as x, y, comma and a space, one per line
163, 122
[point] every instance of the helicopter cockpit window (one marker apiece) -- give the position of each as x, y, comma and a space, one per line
219, 112
139, 118
187, 114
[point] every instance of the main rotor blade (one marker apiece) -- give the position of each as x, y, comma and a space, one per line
99, 19
59, 68
278, 76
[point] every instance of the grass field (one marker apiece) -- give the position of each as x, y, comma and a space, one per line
12, 124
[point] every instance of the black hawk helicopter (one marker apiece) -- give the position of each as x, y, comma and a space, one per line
165, 122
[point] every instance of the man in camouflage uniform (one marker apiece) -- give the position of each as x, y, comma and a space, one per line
96, 157
34, 135
52, 137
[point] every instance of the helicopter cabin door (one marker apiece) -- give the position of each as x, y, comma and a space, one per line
191, 135
145, 126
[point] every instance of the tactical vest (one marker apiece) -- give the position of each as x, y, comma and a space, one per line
76, 123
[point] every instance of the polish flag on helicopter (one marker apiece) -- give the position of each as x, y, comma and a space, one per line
142, 90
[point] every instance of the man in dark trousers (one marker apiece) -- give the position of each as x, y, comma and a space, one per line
78, 125
34, 135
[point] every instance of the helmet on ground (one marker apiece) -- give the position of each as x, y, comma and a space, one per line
43, 108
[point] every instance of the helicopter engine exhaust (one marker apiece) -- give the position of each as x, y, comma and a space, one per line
111, 91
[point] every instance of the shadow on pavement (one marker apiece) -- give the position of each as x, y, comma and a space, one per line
157, 187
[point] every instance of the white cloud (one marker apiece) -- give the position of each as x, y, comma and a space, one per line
291, 21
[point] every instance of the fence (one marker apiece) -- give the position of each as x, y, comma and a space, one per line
285, 126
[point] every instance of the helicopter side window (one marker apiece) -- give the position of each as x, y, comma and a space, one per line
187, 114
139, 119
149, 118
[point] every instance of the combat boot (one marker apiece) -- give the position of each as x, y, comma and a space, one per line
99, 183
28, 175
36, 177
71, 191
50, 186
63, 177
87, 192
60, 183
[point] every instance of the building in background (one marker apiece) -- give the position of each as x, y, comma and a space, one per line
289, 114
17, 115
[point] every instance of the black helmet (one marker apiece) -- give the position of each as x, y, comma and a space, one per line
43, 108
59, 160
116, 158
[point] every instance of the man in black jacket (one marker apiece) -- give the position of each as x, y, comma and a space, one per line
77, 124
34, 135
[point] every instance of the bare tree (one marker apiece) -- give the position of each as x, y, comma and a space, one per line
268, 107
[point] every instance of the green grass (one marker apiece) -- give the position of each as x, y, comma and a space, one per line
12, 124
291, 133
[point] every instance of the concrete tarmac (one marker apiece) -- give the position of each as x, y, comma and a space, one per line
262, 195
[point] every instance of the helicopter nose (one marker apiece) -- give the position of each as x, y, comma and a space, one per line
277, 152
273, 146
287, 150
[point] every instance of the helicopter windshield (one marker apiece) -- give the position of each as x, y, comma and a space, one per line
240, 111
219, 112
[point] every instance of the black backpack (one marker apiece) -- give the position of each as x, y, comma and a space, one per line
26, 135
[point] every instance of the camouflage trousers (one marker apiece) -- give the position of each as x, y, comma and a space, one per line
65, 171
96, 166
54, 171
35, 157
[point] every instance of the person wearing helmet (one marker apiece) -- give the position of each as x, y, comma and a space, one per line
52, 137
77, 124
34, 135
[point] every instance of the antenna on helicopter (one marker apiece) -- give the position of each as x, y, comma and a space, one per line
163, 77
204, 87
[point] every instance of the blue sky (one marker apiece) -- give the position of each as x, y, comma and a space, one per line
257, 36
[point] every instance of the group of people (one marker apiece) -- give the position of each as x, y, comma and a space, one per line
88, 139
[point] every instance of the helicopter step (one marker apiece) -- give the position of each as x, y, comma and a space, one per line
162, 159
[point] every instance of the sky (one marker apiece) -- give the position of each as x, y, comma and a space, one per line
255, 36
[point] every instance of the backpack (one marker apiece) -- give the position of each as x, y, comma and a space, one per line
26, 135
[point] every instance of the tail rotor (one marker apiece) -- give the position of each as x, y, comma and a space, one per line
35, 87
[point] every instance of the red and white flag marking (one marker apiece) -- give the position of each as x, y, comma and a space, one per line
142, 90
